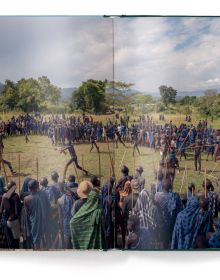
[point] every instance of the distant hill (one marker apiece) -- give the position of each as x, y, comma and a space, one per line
190, 93
66, 93
181, 94
126, 92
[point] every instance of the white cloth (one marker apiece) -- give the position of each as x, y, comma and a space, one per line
15, 228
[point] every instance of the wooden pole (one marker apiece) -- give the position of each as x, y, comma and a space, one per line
6, 177
134, 165
37, 166
132, 200
121, 163
114, 160
208, 175
183, 142
214, 168
3, 166
99, 167
19, 172
182, 180
108, 192
82, 173
187, 182
111, 160
205, 183
157, 176
76, 173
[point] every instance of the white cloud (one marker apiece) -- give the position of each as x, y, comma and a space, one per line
181, 52
213, 81
186, 67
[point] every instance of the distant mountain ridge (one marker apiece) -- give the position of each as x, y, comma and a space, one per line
127, 92
66, 93
179, 93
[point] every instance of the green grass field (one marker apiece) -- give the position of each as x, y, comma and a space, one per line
49, 159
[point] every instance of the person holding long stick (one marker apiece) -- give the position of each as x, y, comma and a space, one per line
73, 159
197, 155
135, 140
93, 140
3, 161
211, 197
118, 137
125, 177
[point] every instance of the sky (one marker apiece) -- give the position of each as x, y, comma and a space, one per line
183, 52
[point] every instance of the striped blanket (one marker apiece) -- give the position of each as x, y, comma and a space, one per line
86, 227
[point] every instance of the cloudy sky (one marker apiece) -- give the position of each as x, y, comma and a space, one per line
180, 52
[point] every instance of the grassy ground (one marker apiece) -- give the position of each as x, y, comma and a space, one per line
50, 159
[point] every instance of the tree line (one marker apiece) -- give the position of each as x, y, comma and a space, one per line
98, 96
29, 95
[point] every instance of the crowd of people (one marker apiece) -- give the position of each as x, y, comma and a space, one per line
144, 131
128, 213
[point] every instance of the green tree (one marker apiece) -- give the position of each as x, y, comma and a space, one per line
10, 96
49, 91
89, 97
118, 95
118, 85
189, 100
141, 99
30, 95
55, 94
209, 105
168, 95
215, 112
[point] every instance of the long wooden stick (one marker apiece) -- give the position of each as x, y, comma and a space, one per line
6, 177
157, 176
208, 175
2, 163
214, 168
182, 180
82, 175
132, 200
76, 172
121, 162
187, 179
205, 183
197, 146
134, 165
111, 160
109, 192
37, 167
183, 142
99, 166
19, 172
